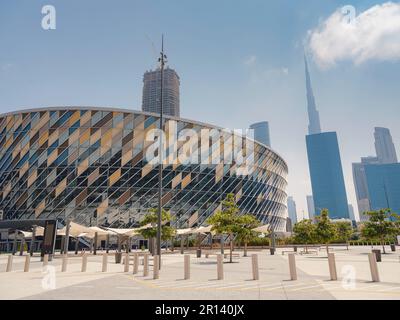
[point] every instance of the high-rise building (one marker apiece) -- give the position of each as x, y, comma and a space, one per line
326, 173
360, 184
324, 162
383, 182
261, 132
385, 154
385, 150
152, 92
292, 211
351, 212
314, 126
310, 207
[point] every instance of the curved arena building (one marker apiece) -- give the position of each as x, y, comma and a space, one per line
92, 165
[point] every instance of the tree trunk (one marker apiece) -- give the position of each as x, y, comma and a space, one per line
231, 247
383, 246
245, 249
222, 244
327, 248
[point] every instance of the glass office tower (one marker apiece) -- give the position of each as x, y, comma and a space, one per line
383, 182
326, 173
261, 132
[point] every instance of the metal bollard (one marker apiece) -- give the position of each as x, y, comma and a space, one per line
105, 260
254, 261
45, 260
374, 267
292, 266
186, 267
156, 267
135, 263
220, 266
9, 264
332, 266
145, 265
64, 263
84, 263
27, 263
126, 266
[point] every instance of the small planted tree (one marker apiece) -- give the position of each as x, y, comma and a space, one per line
167, 232
304, 232
325, 230
382, 225
225, 220
344, 230
244, 231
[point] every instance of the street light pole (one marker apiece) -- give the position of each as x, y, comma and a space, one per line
162, 61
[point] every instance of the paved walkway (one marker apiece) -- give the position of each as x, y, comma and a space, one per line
274, 283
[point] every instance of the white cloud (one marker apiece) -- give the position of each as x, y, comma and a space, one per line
373, 35
250, 61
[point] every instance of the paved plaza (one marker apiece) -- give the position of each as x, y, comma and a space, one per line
354, 278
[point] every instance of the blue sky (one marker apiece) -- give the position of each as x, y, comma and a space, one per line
239, 62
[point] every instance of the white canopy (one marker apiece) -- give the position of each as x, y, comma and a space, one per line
202, 230
75, 230
180, 232
262, 229
124, 232
100, 231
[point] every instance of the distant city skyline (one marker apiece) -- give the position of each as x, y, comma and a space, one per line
385, 154
230, 83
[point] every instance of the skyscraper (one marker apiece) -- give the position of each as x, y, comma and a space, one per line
324, 162
383, 182
326, 173
385, 150
152, 90
310, 207
261, 132
351, 213
314, 126
360, 184
385, 154
292, 211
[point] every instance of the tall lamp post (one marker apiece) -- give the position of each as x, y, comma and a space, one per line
162, 60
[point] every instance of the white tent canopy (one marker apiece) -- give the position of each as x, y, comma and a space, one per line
123, 232
100, 231
263, 229
75, 230
202, 230
198, 230
181, 232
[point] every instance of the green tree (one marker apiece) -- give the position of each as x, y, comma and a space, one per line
304, 232
225, 220
325, 230
344, 230
382, 225
244, 232
167, 232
